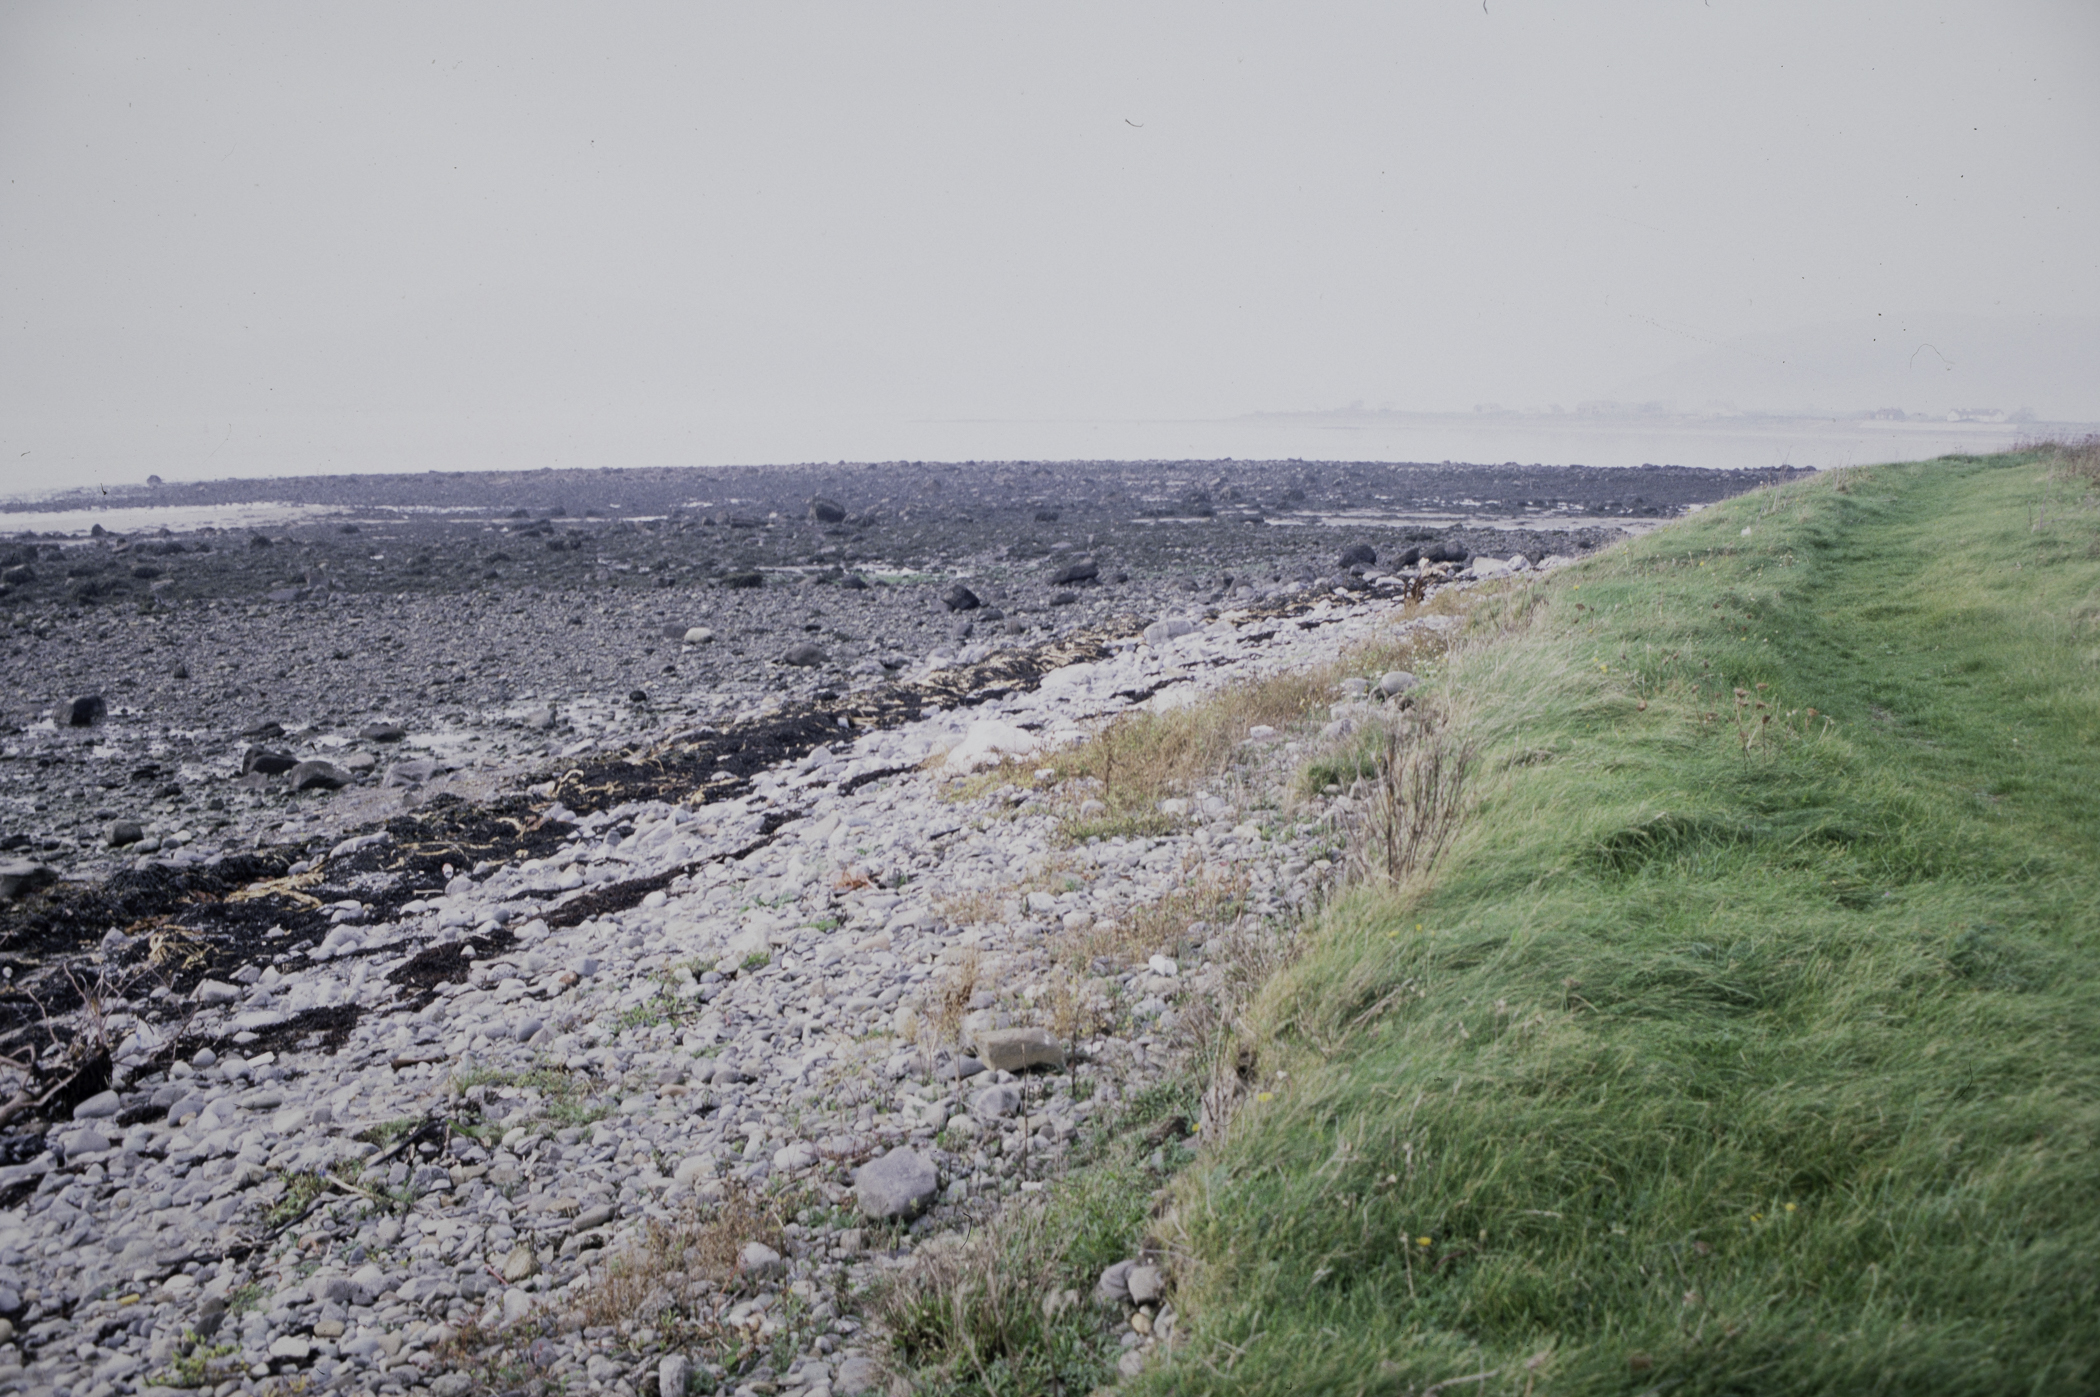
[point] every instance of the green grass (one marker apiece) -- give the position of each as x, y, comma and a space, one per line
1730, 1048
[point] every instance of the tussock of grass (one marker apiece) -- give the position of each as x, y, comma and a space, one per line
669, 1275
1744, 1039
1142, 758
1009, 1309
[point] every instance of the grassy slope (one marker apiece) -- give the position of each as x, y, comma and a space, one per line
1698, 1067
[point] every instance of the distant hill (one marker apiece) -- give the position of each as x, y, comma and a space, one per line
2048, 366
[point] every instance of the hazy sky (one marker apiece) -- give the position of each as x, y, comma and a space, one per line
242, 238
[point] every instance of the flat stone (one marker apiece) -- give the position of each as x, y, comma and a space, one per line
804, 653
898, 1185
520, 1264
291, 1346
382, 732
1018, 1049
101, 1104
1167, 628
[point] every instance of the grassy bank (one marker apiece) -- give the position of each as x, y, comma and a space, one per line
1746, 1038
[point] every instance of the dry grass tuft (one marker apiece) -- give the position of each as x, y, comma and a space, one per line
1141, 758
1214, 898
677, 1264
2077, 460
948, 1003
977, 907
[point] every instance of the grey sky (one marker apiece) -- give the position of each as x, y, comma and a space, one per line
281, 238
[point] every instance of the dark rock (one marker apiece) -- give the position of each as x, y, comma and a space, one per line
1078, 570
826, 511
267, 762
961, 629
1357, 554
1046, 516
749, 577
854, 582
637, 695
960, 598
805, 653
382, 732
20, 877
181, 671
1408, 558
146, 572
319, 776
264, 730
84, 711
1063, 598
119, 833
18, 575
1447, 551
258, 541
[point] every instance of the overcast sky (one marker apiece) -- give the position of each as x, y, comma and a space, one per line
239, 239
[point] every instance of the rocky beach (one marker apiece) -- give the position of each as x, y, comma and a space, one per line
599, 931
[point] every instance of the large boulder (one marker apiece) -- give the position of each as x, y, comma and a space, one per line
804, 653
319, 775
266, 761
1167, 628
960, 598
1078, 570
899, 1185
1357, 555
1018, 1049
83, 712
826, 511
20, 877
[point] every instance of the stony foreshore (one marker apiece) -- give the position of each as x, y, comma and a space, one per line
862, 1006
